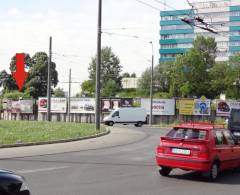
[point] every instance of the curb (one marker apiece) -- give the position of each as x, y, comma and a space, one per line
55, 141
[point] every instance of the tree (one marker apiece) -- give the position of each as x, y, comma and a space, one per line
110, 69
233, 90
88, 88
221, 80
160, 79
190, 74
133, 75
110, 89
37, 83
126, 75
59, 92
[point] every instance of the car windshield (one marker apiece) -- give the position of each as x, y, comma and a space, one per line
187, 133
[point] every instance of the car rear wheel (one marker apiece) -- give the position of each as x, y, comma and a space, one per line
138, 124
165, 171
213, 173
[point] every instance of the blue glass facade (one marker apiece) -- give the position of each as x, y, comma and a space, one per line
234, 38
176, 36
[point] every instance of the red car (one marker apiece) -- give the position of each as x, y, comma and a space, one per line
203, 147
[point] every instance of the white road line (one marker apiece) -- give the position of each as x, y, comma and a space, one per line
39, 170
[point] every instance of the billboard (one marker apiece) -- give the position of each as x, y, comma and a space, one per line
160, 106
186, 107
58, 105
82, 105
20, 106
109, 104
202, 107
223, 107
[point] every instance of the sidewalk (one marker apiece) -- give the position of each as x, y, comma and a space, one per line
118, 136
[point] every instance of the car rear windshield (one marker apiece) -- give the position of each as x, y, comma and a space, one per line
188, 133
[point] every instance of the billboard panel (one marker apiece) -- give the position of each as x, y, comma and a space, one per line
160, 106
223, 107
186, 107
82, 105
202, 107
58, 105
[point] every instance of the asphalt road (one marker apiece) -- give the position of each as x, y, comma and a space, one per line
128, 169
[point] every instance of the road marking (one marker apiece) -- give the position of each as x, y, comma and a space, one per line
40, 170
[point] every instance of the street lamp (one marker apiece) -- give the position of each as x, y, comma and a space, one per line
151, 87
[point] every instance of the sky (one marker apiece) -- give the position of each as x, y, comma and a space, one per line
26, 25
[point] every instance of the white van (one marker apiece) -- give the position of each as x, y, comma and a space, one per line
134, 115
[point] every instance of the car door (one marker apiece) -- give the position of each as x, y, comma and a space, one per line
116, 117
233, 150
223, 150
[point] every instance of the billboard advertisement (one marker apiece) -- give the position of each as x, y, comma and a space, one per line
223, 107
202, 107
109, 104
20, 106
82, 105
186, 107
58, 105
160, 106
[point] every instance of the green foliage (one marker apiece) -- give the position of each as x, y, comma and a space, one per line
190, 74
110, 89
15, 95
88, 88
161, 79
110, 71
38, 75
128, 75
59, 92
127, 93
36, 84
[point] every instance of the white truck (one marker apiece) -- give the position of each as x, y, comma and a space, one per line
130, 115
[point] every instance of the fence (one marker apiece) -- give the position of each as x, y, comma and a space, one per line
82, 109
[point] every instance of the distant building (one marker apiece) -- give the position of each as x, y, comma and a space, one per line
177, 37
129, 83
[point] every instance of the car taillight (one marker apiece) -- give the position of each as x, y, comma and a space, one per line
160, 148
204, 153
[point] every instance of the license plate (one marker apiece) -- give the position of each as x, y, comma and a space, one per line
180, 151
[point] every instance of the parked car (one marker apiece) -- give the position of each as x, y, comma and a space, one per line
131, 115
12, 184
233, 122
203, 147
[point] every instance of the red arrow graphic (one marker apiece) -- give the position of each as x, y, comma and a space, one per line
20, 75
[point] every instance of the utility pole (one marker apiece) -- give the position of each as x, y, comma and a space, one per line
69, 94
98, 67
151, 88
49, 81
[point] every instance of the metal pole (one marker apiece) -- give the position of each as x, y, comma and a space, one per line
98, 67
49, 81
69, 94
151, 88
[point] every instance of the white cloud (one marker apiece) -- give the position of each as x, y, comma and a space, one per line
13, 11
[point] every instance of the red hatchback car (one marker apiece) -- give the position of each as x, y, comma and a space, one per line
203, 147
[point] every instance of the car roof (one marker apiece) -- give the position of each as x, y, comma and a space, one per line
199, 125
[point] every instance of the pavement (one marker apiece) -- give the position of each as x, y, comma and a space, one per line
118, 136
121, 163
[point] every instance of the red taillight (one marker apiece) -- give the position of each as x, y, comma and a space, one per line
160, 148
204, 152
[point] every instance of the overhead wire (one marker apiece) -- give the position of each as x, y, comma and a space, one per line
179, 11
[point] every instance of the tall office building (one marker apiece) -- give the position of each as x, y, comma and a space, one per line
177, 36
